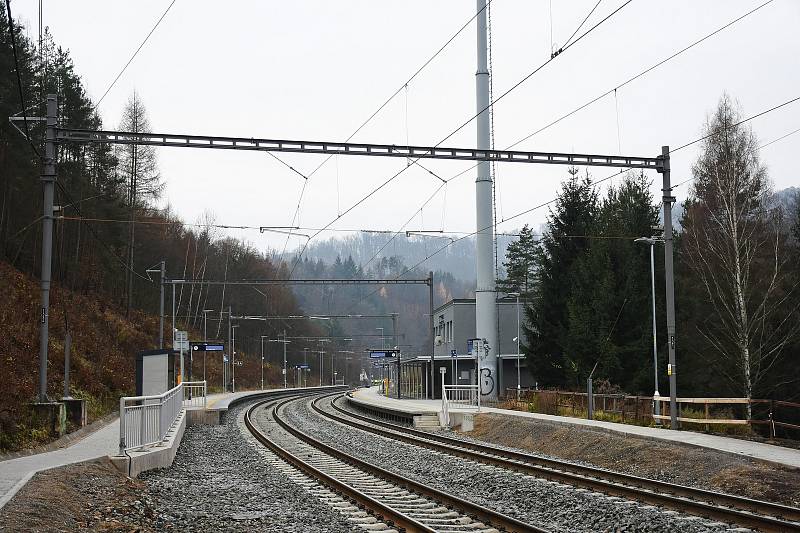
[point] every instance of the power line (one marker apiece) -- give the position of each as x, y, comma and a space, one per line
96, 236
374, 114
581, 25
19, 77
624, 83
521, 213
704, 137
769, 143
490, 105
640, 74
136, 52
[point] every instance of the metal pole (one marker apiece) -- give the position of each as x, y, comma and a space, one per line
67, 348
262, 362
230, 354
161, 307
433, 338
233, 359
48, 182
205, 340
394, 329
173, 316
668, 199
284, 359
657, 405
518, 354
485, 294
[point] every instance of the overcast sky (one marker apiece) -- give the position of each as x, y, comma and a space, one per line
315, 69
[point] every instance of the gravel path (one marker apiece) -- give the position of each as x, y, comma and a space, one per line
219, 482
547, 504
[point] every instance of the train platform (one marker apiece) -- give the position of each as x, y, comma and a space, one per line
756, 450
102, 442
15, 473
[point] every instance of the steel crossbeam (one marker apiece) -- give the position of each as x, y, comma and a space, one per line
364, 149
299, 282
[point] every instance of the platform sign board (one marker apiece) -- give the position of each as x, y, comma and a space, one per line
181, 342
453, 353
155, 372
302, 366
472, 346
383, 354
207, 347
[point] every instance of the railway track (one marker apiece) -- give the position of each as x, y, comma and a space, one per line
756, 514
395, 500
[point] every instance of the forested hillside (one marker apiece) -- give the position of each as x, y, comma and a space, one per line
107, 234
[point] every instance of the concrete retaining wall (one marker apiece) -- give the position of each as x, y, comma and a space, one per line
159, 456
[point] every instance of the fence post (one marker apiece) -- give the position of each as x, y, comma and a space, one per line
589, 400
122, 425
772, 418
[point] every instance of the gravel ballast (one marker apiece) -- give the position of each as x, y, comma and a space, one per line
550, 505
219, 482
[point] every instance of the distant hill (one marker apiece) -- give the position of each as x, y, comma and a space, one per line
457, 259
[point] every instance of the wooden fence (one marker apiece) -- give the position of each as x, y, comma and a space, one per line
771, 415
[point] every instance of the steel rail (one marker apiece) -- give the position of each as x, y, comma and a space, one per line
492, 518
764, 516
392, 517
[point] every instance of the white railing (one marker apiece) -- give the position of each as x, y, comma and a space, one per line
194, 394
458, 396
146, 420
463, 396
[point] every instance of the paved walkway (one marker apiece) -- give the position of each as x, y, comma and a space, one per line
756, 450
223, 400
14, 473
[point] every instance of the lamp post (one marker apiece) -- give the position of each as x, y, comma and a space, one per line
652, 241
516, 295
383, 338
262, 359
305, 362
233, 356
205, 337
285, 342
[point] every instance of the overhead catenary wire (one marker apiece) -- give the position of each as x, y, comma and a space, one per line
623, 84
108, 248
544, 204
19, 78
373, 115
459, 128
135, 53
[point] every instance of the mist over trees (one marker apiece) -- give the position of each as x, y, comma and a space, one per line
737, 281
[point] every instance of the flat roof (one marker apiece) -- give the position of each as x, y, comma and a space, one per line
471, 301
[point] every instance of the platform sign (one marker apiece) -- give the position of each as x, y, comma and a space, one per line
181, 342
453, 353
302, 366
206, 347
383, 354
472, 345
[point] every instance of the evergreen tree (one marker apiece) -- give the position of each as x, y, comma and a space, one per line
610, 307
520, 265
561, 246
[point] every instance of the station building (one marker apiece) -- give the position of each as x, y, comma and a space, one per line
454, 325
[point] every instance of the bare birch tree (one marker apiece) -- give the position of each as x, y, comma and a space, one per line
735, 246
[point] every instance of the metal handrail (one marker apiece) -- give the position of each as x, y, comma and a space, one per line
463, 395
146, 420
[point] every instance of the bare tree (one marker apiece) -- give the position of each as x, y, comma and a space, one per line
735, 245
137, 169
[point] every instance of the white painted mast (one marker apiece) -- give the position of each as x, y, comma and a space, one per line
485, 294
